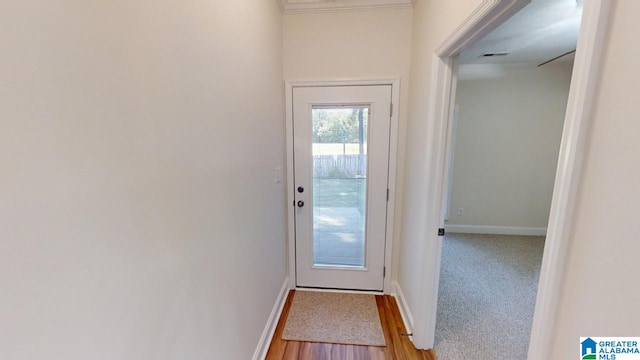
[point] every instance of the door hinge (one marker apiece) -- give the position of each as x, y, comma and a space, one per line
441, 232
391, 110
387, 194
384, 271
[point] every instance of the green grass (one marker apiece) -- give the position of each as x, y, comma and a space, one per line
339, 193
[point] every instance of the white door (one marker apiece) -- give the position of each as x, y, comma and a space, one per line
341, 172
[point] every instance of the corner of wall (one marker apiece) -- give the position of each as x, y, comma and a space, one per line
405, 312
272, 323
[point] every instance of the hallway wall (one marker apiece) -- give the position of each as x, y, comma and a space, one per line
139, 218
432, 22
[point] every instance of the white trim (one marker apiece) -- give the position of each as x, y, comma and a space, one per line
497, 230
335, 6
425, 316
488, 15
449, 140
581, 93
272, 323
342, 82
393, 168
482, 20
289, 185
451, 149
405, 312
393, 155
441, 85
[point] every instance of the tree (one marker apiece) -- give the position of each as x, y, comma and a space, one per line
339, 125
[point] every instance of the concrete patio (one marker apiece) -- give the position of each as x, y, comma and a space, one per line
338, 234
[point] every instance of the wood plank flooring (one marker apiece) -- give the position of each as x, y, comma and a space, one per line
398, 346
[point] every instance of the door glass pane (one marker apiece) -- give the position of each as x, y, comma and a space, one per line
339, 185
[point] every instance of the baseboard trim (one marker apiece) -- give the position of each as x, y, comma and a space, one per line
272, 322
405, 313
497, 230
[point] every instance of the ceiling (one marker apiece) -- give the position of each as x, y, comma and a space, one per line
539, 32
542, 30
292, 6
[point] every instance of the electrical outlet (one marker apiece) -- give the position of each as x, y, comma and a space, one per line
460, 211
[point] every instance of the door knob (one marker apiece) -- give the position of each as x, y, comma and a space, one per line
300, 203
300, 189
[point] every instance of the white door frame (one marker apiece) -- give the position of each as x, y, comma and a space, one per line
393, 153
488, 15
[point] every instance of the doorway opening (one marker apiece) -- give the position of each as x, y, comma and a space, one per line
583, 81
511, 95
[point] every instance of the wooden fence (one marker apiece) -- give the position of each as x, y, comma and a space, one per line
337, 166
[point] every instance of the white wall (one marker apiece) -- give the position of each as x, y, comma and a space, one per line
139, 218
508, 137
600, 295
433, 21
354, 45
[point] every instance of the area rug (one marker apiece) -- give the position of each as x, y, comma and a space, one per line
334, 318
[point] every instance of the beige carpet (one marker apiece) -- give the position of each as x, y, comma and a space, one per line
334, 318
487, 294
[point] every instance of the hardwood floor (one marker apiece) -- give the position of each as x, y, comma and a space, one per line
398, 347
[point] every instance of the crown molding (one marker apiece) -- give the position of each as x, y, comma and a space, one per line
294, 7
